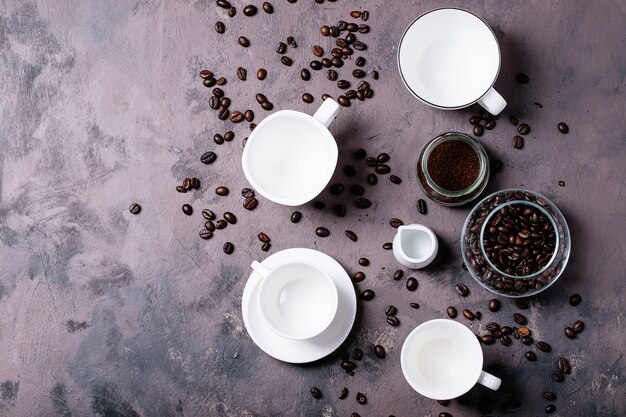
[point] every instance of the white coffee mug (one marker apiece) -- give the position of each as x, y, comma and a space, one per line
296, 300
450, 59
442, 359
290, 156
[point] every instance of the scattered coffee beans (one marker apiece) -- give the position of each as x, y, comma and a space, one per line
575, 299
361, 398
563, 128
344, 393
134, 208
531, 356
367, 295
462, 290
228, 248
187, 209
421, 206
518, 142
411, 284
543, 346
315, 393
322, 232
452, 313
468, 314
351, 235
393, 321
222, 191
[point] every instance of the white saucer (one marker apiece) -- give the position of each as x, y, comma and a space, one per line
308, 350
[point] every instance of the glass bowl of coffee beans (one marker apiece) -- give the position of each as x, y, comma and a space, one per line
515, 243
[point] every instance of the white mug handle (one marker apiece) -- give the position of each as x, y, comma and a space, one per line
260, 269
493, 102
327, 112
490, 381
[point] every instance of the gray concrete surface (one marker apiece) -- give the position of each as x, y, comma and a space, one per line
109, 314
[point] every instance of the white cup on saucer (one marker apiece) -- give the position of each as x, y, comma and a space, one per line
290, 156
442, 359
297, 300
450, 59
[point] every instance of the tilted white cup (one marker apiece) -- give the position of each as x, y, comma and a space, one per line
296, 300
290, 156
450, 59
442, 359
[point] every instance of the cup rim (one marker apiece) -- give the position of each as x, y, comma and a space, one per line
406, 84
325, 176
334, 303
458, 389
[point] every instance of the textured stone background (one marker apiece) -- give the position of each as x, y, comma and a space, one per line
104, 313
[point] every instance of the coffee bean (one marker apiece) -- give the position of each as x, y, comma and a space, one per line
521, 78
367, 295
395, 223
374, 75
351, 94
220, 81
355, 14
281, 48
444, 414
325, 30
348, 365
379, 351
205, 234
242, 73
222, 191
391, 310
359, 276
365, 15
382, 169
340, 210
478, 315
187, 184
349, 171
561, 183
243, 41
474, 120
223, 114
344, 393
250, 203
315, 65
266, 246
307, 98
524, 331
228, 248
421, 206
549, 395
492, 327
209, 225
296, 216
252, 126
322, 232
444, 403
564, 366
206, 74
249, 10
468, 314
372, 179
261, 74
209, 82
395, 179
362, 203
387, 246
478, 130
382, 158
462, 289
531, 356
358, 73
361, 398
232, 12
268, 8
393, 321
224, 4
358, 45
218, 139
558, 376
563, 128
543, 346
208, 214
357, 354
363, 28
550, 408
229, 136
578, 326
494, 305
487, 339
286, 61
219, 28
523, 129
292, 42
336, 188
519, 319
570, 333
341, 42
195, 183
315, 393
575, 299
180, 189
334, 31
526, 340
521, 304
351, 235
452, 313
362, 86
263, 237
230, 217
220, 224
518, 142
414, 305
411, 284
506, 330
134, 208
398, 275
236, 117
187, 209
505, 340
490, 125
364, 261
343, 84
325, 96
331, 75
266, 105
317, 50
359, 62
214, 102
225, 102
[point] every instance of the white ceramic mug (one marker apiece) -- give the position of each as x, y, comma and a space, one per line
415, 246
450, 59
442, 359
290, 156
296, 300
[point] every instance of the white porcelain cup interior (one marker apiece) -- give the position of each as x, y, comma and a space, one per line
442, 359
290, 156
417, 244
450, 58
297, 300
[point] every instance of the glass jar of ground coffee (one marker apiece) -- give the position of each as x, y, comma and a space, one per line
453, 169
